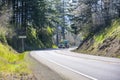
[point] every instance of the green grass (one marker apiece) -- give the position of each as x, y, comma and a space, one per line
114, 30
99, 39
12, 62
109, 32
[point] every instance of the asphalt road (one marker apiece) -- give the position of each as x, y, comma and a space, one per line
79, 66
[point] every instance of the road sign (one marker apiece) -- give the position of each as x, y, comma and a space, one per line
22, 37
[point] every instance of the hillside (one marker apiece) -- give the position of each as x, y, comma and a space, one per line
104, 43
13, 65
8, 58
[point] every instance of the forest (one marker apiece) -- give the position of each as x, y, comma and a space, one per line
39, 20
36, 19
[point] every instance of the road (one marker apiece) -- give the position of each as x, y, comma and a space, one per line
79, 66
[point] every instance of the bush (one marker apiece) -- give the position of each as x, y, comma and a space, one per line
3, 38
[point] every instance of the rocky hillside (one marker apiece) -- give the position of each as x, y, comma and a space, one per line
104, 43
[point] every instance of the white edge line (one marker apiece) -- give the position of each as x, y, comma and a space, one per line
70, 69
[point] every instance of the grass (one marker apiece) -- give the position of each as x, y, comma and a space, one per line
114, 30
109, 32
12, 62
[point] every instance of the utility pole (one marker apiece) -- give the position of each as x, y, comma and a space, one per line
57, 36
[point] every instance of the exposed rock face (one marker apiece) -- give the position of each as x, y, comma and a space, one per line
87, 45
110, 46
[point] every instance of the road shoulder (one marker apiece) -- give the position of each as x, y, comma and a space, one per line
41, 71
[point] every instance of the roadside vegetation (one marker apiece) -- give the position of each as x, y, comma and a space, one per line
112, 31
99, 23
104, 43
35, 19
11, 61
13, 64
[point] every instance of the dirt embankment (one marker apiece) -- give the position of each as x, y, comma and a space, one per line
109, 47
105, 43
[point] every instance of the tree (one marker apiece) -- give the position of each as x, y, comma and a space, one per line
34, 16
91, 16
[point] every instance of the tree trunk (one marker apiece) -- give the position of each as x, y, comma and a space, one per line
119, 13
